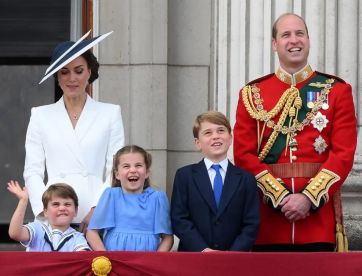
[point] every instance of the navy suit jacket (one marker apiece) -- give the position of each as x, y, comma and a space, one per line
199, 224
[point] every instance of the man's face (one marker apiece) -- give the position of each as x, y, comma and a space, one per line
214, 141
291, 43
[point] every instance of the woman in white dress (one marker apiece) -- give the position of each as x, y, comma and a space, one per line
74, 139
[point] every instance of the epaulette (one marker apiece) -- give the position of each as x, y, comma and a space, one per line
260, 79
331, 76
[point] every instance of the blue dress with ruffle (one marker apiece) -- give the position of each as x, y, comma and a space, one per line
132, 222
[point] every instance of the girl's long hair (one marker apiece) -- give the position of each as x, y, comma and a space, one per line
130, 149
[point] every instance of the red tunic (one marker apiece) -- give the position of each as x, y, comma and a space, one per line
341, 137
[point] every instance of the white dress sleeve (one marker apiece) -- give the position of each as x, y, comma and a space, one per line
34, 163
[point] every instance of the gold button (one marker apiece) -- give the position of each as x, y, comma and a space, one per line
294, 158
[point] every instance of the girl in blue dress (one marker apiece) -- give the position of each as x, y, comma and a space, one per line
131, 215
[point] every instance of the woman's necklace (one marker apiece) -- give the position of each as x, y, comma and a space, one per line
74, 117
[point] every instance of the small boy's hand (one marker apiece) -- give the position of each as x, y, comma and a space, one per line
21, 193
84, 224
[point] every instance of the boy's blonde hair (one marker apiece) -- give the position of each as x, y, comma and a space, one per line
61, 190
130, 149
213, 117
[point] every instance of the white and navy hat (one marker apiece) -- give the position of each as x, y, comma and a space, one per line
67, 51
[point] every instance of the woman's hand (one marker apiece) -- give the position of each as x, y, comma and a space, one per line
84, 224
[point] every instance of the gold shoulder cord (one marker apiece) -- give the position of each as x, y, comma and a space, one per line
289, 103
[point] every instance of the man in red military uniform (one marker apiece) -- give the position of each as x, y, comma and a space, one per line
296, 131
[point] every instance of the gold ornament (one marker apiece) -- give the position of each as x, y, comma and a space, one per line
292, 111
101, 266
298, 102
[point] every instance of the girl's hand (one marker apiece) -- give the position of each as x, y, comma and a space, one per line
14, 188
166, 243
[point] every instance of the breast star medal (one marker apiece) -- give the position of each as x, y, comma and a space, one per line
320, 145
320, 121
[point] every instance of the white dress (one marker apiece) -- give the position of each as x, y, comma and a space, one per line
81, 157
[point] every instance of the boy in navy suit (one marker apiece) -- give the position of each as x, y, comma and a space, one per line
214, 205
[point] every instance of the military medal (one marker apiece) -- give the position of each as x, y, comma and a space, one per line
311, 97
320, 145
325, 104
320, 121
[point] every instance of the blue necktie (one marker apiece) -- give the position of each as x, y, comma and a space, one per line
217, 184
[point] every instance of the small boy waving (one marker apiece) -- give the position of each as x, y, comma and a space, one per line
60, 204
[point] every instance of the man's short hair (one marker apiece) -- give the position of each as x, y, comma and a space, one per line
213, 117
275, 30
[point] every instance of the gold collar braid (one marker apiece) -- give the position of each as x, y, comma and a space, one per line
295, 78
